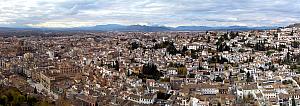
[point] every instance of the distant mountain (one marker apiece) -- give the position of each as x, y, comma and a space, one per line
108, 27
8, 29
297, 25
231, 28
116, 27
145, 28
191, 28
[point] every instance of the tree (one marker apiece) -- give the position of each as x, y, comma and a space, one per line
182, 70
35, 90
192, 75
217, 59
287, 59
218, 79
293, 102
3, 100
116, 66
154, 40
171, 49
286, 82
295, 44
31, 101
21, 98
150, 71
201, 68
269, 53
134, 45
12, 96
194, 54
233, 35
161, 95
184, 49
230, 75
248, 74
249, 77
219, 104
44, 103
208, 39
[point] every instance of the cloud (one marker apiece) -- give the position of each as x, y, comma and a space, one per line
76, 13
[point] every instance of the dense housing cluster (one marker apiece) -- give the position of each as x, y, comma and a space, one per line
210, 68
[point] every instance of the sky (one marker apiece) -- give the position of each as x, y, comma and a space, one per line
80, 13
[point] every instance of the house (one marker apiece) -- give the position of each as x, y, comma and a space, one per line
143, 99
150, 82
208, 89
85, 100
250, 89
148, 98
172, 71
269, 94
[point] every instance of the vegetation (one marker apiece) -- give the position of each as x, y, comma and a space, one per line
134, 45
194, 54
260, 46
242, 50
242, 71
182, 70
13, 97
223, 47
293, 102
288, 58
295, 44
116, 65
217, 59
150, 71
249, 77
171, 49
269, 53
286, 82
162, 45
165, 80
184, 49
164, 96
218, 79
192, 75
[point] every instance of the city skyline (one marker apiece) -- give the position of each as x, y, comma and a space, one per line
82, 13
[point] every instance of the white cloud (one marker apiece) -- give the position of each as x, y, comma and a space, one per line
76, 13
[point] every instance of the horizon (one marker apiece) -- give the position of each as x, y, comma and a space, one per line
140, 25
87, 13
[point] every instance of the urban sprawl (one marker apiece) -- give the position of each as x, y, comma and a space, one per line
207, 68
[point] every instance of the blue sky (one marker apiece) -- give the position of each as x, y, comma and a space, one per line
77, 13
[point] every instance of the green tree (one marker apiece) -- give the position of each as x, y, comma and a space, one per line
269, 53
171, 49
182, 70
295, 44
218, 79
249, 77
35, 90
134, 45
3, 100
150, 71
208, 39
116, 66
293, 102
184, 49
21, 98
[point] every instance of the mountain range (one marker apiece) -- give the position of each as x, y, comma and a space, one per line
116, 27
294, 25
145, 28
